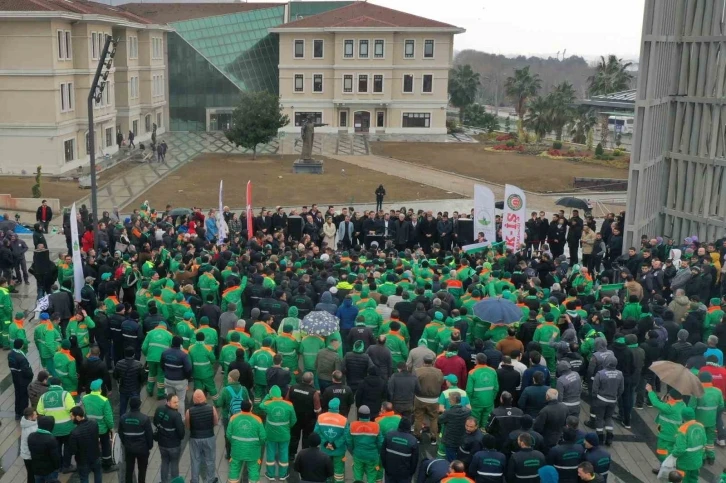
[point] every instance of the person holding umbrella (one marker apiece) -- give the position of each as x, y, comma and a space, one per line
669, 419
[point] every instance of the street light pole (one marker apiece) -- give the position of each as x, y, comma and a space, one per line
94, 95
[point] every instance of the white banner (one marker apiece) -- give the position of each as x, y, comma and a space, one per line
78, 279
484, 214
221, 225
515, 208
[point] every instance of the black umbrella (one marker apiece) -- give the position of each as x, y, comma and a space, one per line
180, 212
499, 205
572, 203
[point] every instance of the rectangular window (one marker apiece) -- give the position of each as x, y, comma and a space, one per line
409, 49
69, 45
378, 83
363, 83
299, 83
158, 120
107, 93
428, 83
317, 82
380, 119
133, 45
416, 119
347, 83
69, 150
94, 45
318, 49
147, 123
348, 49
135, 127
379, 49
363, 49
408, 83
299, 49
109, 137
63, 90
343, 118
61, 46
300, 117
134, 87
428, 49
66, 91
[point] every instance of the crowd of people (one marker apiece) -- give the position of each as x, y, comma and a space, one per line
413, 361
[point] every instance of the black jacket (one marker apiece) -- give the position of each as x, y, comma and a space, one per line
455, 420
84, 442
680, 351
313, 465
415, 324
405, 309
355, 367
44, 448
381, 357
246, 376
362, 333
502, 421
95, 368
61, 302
344, 393
550, 422
135, 432
399, 455
280, 377
130, 375
509, 379
176, 364
524, 465
402, 388
20, 369
371, 393
170, 427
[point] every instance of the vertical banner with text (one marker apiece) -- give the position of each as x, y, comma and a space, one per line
78, 279
515, 207
484, 214
250, 232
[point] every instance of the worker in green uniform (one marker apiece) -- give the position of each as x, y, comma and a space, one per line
233, 293
387, 420
155, 343
332, 427
707, 408
689, 446
371, 317
364, 442
208, 285
228, 354
451, 381
47, 340
211, 337
185, 329
309, 348
58, 402
143, 297
260, 361
713, 317
65, 368
396, 343
544, 334
247, 435
202, 359
669, 419
230, 399
79, 326
280, 418
98, 408
386, 326
261, 330
17, 331
178, 308
431, 332
293, 321
443, 336
287, 346
482, 386
6, 312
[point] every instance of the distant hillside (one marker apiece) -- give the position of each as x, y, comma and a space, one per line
573, 69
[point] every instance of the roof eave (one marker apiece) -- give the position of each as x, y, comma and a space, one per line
302, 30
47, 15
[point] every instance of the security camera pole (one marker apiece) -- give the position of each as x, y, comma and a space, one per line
95, 95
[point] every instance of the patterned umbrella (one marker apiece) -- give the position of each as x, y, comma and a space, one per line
320, 322
497, 311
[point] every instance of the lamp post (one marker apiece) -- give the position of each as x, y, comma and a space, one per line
94, 95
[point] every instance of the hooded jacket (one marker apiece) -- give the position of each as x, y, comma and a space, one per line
347, 314
597, 361
27, 427
44, 448
680, 304
356, 365
371, 392
697, 359
326, 303
569, 384
608, 384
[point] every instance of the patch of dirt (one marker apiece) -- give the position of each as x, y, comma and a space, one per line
532, 173
273, 183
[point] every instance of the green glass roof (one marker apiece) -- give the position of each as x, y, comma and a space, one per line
239, 46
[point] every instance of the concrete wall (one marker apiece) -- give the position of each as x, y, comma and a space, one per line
9, 203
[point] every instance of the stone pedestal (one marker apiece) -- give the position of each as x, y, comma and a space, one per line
307, 166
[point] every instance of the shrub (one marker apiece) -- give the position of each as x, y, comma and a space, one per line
617, 152
453, 127
557, 145
599, 151
510, 143
37, 193
504, 137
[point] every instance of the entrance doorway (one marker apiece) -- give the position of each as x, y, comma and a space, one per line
362, 121
221, 121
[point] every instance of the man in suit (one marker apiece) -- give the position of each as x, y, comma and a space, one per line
345, 233
402, 229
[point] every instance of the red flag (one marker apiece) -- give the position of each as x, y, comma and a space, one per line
250, 233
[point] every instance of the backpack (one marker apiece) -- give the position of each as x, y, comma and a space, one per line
235, 405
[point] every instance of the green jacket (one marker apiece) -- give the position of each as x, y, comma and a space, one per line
388, 422
80, 330
225, 397
386, 328
713, 318
143, 297
373, 319
177, 310
708, 406
244, 339
98, 408
210, 335
632, 310
332, 429
208, 284
156, 342
496, 333
287, 347
260, 361
669, 416
690, 446
17, 331
543, 335
398, 347
364, 440
47, 339
431, 334
202, 359
185, 330
309, 348
280, 416
58, 403
65, 367
6, 305
259, 331
482, 386
387, 289
227, 355
234, 294
246, 433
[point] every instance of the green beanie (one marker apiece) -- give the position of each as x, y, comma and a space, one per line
292, 311
179, 297
65, 344
204, 320
188, 315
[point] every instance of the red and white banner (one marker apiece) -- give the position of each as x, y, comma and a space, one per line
250, 232
515, 208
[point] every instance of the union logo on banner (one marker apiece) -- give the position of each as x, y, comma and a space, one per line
514, 202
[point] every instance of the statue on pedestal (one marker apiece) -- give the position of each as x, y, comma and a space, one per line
306, 163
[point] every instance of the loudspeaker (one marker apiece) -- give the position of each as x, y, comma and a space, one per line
295, 227
466, 231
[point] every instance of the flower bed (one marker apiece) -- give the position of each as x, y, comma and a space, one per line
507, 147
504, 137
559, 153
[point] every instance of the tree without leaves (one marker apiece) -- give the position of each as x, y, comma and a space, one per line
463, 86
256, 120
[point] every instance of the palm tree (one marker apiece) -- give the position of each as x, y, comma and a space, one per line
463, 86
561, 102
539, 116
610, 76
585, 119
520, 87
